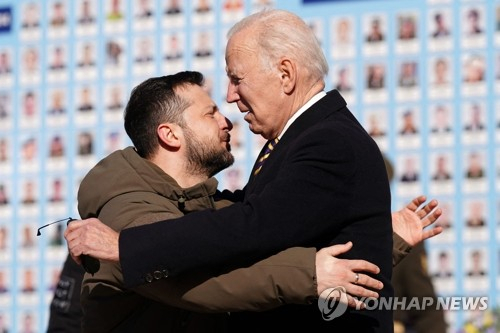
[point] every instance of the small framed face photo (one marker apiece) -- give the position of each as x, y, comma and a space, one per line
87, 17
407, 33
115, 65
375, 29
58, 14
144, 15
5, 110
408, 81
5, 62
86, 12
441, 119
232, 10
409, 127
115, 11
474, 27
342, 31
5, 154
440, 168
440, 28
476, 269
474, 122
440, 73
30, 66
203, 12
475, 171
475, 212
27, 320
56, 145
30, 15
375, 35
442, 264
474, 74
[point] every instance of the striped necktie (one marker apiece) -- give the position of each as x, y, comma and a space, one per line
265, 155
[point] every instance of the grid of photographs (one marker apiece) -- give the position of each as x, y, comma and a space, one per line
423, 80
422, 77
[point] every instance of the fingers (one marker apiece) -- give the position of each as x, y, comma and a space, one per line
358, 291
335, 250
344, 297
362, 266
354, 303
432, 217
75, 236
416, 202
332, 272
367, 281
76, 259
363, 286
427, 208
431, 232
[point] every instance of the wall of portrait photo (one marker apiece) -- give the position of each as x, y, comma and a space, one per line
422, 77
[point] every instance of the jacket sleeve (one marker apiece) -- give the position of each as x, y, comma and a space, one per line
285, 278
285, 214
400, 249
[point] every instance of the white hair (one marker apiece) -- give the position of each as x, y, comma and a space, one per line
281, 33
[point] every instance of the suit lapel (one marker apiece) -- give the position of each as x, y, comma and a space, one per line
317, 112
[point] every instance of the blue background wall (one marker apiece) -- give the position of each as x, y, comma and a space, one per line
28, 129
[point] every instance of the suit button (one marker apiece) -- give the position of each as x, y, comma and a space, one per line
157, 275
149, 277
165, 273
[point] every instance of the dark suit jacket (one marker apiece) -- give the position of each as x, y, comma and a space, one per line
324, 183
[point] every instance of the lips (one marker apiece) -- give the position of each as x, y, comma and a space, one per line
226, 137
248, 117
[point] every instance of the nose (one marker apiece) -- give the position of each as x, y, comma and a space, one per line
228, 124
232, 93
224, 123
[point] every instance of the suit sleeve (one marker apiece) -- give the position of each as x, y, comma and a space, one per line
288, 277
285, 278
313, 182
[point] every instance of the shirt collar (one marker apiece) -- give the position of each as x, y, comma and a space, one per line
300, 111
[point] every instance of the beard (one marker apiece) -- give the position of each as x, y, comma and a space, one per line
205, 158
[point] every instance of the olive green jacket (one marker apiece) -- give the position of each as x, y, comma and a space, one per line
124, 190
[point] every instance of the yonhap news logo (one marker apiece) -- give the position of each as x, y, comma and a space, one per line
5, 19
447, 303
332, 303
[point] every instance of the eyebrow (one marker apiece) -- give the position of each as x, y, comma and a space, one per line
212, 107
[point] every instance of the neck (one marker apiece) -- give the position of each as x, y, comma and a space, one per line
178, 169
300, 98
304, 95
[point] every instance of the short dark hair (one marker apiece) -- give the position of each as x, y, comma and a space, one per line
153, 102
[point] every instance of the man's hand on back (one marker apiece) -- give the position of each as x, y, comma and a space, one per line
93, 238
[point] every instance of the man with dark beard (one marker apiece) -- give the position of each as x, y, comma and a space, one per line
180, 141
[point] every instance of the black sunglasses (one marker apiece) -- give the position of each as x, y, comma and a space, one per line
91, 265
